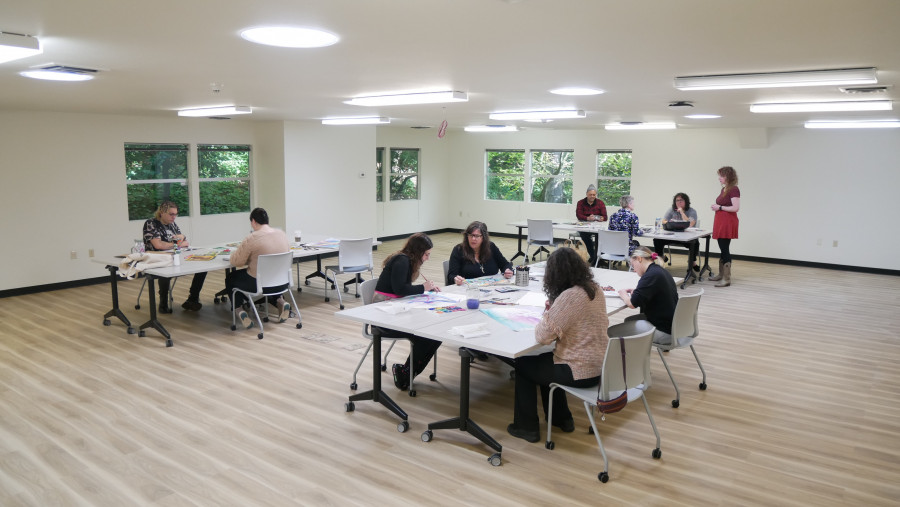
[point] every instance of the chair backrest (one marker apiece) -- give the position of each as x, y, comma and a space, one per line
273, 270
540, 230
612, 242
638, 335
367, 290
684, 323
355, 253
446, 265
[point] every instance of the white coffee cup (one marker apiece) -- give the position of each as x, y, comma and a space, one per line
297, 236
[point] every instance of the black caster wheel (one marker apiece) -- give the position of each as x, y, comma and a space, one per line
305, 282
259, 336
333, 287
106, 322
353, 386
384, 367
215, 300
265, 319
342, 307
327, 299
412, 393
137, 307
349, 406
346, 290
656, 453
675, 403
299, 325
299, 289
402, 426
604, 477
357, 296
495, 460
233, 327
427, 436
550, 445
703, 386
591, 430
142, 333
130, 330
432, 377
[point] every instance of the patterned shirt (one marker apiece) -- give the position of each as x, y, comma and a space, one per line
153, 228
626, 220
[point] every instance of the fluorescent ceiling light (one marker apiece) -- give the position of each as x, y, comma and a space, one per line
877, 124
640, 126
574, 90
368, 120
14, 46
409, 98
289, 37
807, 107
54, 75
702, 116
538, 115
832, 77
215, 111
491, 128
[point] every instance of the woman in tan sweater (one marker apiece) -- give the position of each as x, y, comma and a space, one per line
264, 240
576, 320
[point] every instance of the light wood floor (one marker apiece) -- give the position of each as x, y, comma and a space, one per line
803, 408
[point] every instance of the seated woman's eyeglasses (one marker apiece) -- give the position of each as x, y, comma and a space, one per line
475, 235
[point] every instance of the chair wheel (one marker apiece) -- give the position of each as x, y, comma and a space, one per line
327, 299
137, 307
346, 290
130, 330
216, 300
259, 336
675, 403
349, 406
106, 322
142, 333
412, 393
427, 436
233, 327
656, 453
703, 386
305, 282
353, 386
604, 477
432, 377
342, 307
403, 426
265, 319
299, 325
495, 459
550, 445
384, 367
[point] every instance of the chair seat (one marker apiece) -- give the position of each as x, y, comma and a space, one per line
589, 394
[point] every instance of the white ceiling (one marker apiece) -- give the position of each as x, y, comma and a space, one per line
160, 56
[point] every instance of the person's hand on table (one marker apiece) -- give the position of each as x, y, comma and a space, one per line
458, 280
431, 286
508, 273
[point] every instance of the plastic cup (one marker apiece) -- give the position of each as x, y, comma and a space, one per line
297, 236
473, 297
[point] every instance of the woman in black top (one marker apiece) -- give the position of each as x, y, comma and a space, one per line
476, 256
655, 294
396, 281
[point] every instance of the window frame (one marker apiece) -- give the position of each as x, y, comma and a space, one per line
184, 205
201, 180
392, 195
602, 189
532, 175
523, 176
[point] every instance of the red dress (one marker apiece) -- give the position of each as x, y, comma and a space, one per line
725, 224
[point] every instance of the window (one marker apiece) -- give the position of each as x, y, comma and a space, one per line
505, 175
224, 178
613, 175
404, 174
551, 176
379, 174
155, 173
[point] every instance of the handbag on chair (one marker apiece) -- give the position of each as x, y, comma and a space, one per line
618, 403
579, 248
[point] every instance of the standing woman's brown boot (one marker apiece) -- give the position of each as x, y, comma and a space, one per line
718, 277
726, 275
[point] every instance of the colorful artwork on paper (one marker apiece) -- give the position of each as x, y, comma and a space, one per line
487, 281
428, 300
325, 243
517, 318
447, 309
201, 257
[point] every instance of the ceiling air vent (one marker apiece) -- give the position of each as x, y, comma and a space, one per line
420, 127
864, 89
67, 69
681, 104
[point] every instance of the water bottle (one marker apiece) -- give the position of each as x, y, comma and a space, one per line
657, 225
176, 257
138, 246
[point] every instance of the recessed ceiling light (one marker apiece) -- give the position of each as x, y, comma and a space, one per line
409, 98
367, 120
828, 77
640, 126
812, 107
215, 111
289, 37
491, 128
878, 124
14, 46
53, 75
702, 116
573, 90
538, 115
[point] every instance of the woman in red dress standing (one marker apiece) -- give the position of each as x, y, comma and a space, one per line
725, 225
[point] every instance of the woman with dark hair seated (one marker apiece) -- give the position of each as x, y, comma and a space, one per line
476, 256
399, 271
681, 210
575, 319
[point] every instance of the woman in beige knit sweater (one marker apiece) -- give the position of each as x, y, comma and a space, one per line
576, 320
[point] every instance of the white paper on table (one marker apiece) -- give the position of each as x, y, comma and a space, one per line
470, 331
393, 308
538, 299
610, 293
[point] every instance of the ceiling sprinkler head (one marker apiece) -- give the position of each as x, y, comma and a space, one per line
216, 87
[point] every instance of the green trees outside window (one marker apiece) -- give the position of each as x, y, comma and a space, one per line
551, 176
379, 174
224, 178
613, 175
505, 175
155, 173
404, 174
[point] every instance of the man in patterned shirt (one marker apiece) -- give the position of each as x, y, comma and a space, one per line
161, 233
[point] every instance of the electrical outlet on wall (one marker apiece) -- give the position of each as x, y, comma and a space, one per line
73, 255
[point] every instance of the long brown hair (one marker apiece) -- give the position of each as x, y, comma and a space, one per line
566, 269
484, 251
731, 179
415, 248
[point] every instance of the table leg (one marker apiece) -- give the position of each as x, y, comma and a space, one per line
520, 252
376, 394
154, 322
317, 273
463, 423
115, 312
